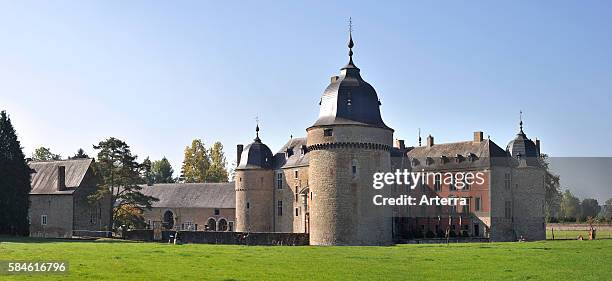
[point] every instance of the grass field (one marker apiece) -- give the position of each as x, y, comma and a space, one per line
118, 260
573, 234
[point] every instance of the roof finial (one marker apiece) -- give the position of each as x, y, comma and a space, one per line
257, 139
521, 121
351, 44
419, 136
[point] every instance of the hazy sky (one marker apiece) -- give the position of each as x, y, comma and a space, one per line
159, 73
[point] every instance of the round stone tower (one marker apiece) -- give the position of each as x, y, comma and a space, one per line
254, 188
347, 145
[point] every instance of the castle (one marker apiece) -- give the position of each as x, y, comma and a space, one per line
322, 184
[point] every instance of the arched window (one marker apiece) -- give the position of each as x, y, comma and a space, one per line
222, 225
168, 222
212, 224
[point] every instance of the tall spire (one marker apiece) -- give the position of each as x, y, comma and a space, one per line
419, 136
257, 139
521, 122
350, 45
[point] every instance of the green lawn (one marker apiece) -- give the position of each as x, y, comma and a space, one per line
113, 260
573, 234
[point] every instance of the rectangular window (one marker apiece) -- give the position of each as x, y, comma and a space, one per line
279, 208
43, 220
328, 132
354, 170
279, 181
508, 209
507, 180
297, 212
452, 186
248, 205
217, 212
230, 226
466, 208
296, 194
296, 174
438, 182
477, 205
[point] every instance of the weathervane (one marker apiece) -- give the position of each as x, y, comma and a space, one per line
521, 120
257, 128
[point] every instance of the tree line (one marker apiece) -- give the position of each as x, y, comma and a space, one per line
563, 206
117, 171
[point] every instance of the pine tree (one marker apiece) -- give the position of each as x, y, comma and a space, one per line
162, 171
121, 176
14, 181
79, 155
196, 162
218, 170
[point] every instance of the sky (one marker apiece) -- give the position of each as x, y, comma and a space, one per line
158, 74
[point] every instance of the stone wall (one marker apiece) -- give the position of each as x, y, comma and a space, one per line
239, 238
216, 237
341, 211
59, 212
254, 200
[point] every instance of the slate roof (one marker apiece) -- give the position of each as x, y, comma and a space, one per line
350, 100
192, 195
256, 155
471, 154
44, 177
297, 159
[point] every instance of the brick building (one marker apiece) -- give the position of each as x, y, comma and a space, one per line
59, 199
322, 184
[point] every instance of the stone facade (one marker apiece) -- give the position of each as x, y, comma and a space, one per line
255, 200
60, 202
322, 184
340, 173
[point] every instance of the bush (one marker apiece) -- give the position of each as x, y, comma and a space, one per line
452, 234
418, 234
429, 234
464, 234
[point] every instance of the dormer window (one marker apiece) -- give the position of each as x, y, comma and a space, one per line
415, 162
472, 157
443, 159
328, 132
289, 152
429, 161
458, 158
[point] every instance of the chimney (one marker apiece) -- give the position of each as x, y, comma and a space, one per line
478, 136
430, 141
537, 143
400, 144
61, 178
239, 149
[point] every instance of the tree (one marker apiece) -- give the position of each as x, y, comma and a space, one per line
606, 211
552, 196
120, 176
196, 162
79, 155
146, 174
570, 206
589, 208
217, 172
44, 154
14, 181
162, 171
